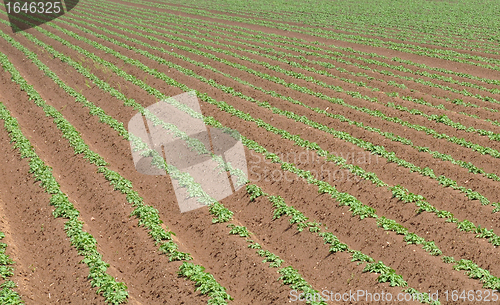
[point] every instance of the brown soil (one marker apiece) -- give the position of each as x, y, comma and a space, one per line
47, 268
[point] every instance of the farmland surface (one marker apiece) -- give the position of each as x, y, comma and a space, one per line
371, 133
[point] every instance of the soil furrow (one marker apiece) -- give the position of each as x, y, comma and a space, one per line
474, 181
47, 268
127, 248
217, 257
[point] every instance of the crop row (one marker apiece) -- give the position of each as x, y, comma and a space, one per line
317, 32
147, 215
272, 39
157, 158
450, 55
102, 85
471, 194
150, 89
428, 172
114, 292
337, 57
289, 275
436, 118
350, 50
380, 25
264, 52
7, 295
386, 274
440, 119
488, 280
267, 255
275, 37
451, 139
191, 271
357, 208
204, 281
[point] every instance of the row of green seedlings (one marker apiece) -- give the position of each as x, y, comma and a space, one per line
199, 34
147, 215
275, 37
485, 80
460, 102
192, 143
437, 118
385, 30
112, 91
264, 52
289, 275
451, 55
452, 139
469, 267
452, 123
443, 40
440, 32
363, 211
444, 35
404, 47
161, 97
205, 282
472, 270
350, 81
273, 24
447, 182
8, 295
441, 35
211, 31
192, 271
386, 274
290, 39
337, 57
114, 292
184, 265
391, 136
493, 239
443, 119
187, 269
401, 47
152, 89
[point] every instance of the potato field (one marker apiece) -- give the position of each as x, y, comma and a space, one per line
357, 143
